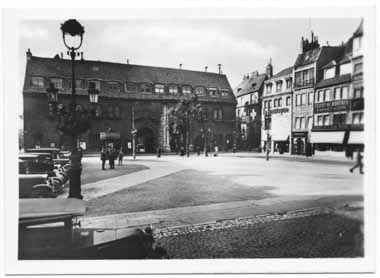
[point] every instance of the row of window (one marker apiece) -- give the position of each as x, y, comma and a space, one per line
337, 94
338, 119
134, 87
277, 102
324, 120
301, 123
114, 112
279, 86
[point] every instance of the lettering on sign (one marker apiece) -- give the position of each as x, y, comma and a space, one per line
331, 106
279, 110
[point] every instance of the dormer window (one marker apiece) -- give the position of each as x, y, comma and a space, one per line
159, 89
186, 90
113, 86
145, 88
329, 73
224, 92
212, 92
38, 82
58, 82
94, 84
199, 91
173, 89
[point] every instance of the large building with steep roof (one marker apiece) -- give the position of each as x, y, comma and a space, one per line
125, 89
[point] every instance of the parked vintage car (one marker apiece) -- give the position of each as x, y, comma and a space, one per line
56, 154
35, 186
35, 163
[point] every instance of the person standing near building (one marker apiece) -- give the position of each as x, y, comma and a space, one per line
267, 149
359, 162
158, 152
121, 155
103, 158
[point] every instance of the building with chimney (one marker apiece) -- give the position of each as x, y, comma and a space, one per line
249, 108
339, 104
128, 94
307, 72
276, 116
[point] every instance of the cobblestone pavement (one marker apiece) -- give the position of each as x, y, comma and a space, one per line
313, 233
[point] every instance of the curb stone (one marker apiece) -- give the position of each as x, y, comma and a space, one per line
239, 222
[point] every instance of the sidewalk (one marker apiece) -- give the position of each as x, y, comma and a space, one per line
320, 158
157, 169
196, 215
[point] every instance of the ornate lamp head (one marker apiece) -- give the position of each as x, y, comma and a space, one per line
73, 28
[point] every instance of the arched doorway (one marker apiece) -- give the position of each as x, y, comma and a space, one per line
145, 140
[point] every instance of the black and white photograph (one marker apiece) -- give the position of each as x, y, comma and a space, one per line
172, 141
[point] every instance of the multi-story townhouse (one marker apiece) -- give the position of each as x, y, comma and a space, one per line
307, 72
277, 111
249, 105
338, 108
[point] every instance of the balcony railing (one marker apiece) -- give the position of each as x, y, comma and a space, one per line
304, 83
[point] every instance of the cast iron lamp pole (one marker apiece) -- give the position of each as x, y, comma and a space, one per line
75, 29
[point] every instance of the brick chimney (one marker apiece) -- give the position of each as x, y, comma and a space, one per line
28, 54
269, 69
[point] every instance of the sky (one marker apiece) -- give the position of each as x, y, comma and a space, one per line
240, 45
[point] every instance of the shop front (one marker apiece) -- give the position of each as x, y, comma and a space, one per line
328, 140
299, 142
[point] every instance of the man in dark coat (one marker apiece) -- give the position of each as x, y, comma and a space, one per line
103, 158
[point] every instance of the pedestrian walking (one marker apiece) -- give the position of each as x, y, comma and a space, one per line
121, 155
359, 163
158, 152
267, 149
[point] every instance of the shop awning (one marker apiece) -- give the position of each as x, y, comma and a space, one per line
356, 137
332, 137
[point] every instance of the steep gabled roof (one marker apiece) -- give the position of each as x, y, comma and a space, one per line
283, 72
359, 30
251, 84
86, 69
308, 57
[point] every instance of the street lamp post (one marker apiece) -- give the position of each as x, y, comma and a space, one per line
267, 128
75, 30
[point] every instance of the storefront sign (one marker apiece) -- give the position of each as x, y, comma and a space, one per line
299, 134
331, 106
279, 110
